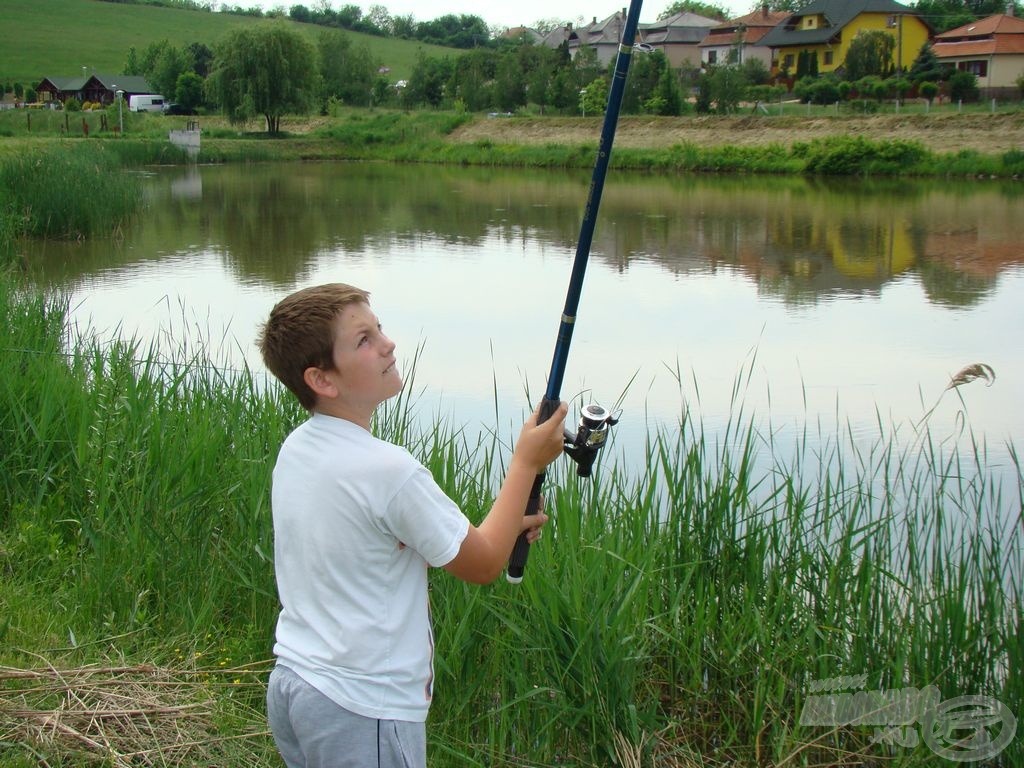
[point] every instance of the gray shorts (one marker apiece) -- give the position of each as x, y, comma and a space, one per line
311, 731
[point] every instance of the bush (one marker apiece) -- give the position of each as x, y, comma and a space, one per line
824, 91
854, 155
73, 105
802, 89
1013, 162
963, 86
928, 90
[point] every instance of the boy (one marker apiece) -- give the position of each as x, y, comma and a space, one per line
357, 521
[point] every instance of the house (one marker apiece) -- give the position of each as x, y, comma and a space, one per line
739, 40
824, 30
522, 33
603, 36
677, 37
992, 49
95, 88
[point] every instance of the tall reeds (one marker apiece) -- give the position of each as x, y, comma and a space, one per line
679, 616
72, 191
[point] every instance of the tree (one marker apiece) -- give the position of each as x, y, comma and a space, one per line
594, 97
707, 10
347, 71
870, 54
463, 31
201, 57
188, 91
427, 81
806, 64
667, 98
727, 88
926, 67
472, 74
509, 85
132, 65
162, 64
266, 70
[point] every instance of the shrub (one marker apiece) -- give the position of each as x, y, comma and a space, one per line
803, 88
824, 90
853, 155
928, 90
73, 105
1013, 162
963, 86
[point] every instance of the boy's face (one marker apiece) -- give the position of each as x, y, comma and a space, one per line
365, 373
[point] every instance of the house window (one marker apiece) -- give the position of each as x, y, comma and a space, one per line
787, 61
978, 68
809, 22
712, 57
828, 58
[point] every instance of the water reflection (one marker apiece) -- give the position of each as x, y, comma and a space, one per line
856, 300
799, 240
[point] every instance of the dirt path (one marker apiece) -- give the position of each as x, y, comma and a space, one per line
986, 133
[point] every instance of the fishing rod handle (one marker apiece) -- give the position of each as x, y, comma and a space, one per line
521, 550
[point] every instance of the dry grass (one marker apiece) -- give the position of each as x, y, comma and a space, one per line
125, 715
989, 134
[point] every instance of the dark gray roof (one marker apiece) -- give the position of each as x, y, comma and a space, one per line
126, 83
837, 13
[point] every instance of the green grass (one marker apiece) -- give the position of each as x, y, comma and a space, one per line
59, 37
673, 618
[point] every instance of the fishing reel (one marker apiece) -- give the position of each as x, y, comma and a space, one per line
590, 437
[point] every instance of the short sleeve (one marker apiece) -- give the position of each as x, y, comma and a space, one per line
423, 518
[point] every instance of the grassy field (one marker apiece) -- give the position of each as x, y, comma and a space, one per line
60, 37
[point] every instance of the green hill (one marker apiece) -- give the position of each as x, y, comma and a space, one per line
40, 38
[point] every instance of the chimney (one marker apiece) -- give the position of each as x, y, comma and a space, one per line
1009, 8
764, 10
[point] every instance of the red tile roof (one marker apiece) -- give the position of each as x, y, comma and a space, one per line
999, 34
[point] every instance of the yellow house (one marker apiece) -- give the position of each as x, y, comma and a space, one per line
825, 28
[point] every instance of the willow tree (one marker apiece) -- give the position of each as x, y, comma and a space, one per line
263, 70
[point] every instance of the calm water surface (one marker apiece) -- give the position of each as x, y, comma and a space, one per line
842, 309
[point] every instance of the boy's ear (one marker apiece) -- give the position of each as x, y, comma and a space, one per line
320, 382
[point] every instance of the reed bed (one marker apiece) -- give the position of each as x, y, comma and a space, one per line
682, 616
73, 190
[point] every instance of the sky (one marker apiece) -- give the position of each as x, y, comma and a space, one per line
501, 13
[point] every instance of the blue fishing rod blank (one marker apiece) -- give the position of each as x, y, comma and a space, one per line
589, 424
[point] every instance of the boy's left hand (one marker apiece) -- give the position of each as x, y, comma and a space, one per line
532, 524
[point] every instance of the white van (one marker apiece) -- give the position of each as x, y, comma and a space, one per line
146, 102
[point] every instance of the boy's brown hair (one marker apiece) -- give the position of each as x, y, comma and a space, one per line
299, 334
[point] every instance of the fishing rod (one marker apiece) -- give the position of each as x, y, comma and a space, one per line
591, 434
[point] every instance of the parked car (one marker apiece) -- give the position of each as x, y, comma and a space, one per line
173, 108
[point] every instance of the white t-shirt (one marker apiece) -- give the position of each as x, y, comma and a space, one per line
356, 523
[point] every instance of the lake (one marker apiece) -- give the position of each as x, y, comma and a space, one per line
835, 308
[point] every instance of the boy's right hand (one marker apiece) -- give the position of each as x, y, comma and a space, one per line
540, 444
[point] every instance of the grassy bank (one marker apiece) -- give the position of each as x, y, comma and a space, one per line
434, 137
676, 619
104, 32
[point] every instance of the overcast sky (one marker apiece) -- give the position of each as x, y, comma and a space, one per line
501, 13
